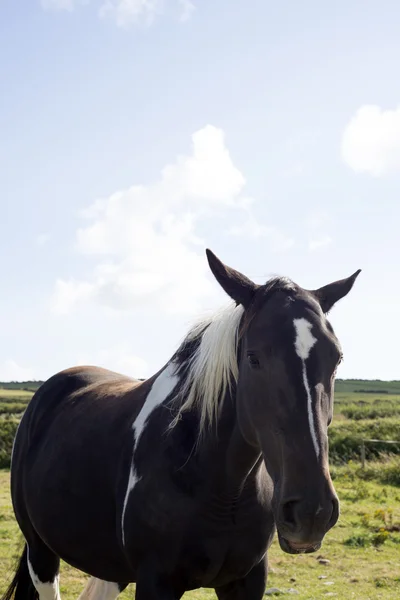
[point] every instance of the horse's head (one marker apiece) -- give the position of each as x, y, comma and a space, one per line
287, 364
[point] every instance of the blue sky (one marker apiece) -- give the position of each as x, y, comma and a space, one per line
136, 133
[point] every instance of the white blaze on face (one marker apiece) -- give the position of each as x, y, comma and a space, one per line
304, 338
303, 344
161, 389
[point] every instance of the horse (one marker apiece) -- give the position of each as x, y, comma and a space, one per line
181, 481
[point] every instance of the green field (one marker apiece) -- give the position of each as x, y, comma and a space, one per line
363, 549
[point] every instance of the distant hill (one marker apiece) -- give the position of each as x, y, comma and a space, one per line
361, 386
29, 386
367, 386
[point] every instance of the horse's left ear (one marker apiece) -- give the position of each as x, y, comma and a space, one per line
328, 295
235, 284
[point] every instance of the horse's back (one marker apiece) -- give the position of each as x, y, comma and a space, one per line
75, 407
81, 381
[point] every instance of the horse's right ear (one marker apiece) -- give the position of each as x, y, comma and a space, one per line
237, 286
328, 295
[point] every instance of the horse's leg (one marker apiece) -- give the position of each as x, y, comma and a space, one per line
43, 566
97, 589
250, 587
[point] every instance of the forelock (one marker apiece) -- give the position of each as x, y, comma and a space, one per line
266, 293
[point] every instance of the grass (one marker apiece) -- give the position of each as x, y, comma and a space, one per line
363, 549
14, 395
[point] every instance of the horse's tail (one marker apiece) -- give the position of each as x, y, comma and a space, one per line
21, 587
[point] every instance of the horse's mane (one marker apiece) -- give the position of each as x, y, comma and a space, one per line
207, 358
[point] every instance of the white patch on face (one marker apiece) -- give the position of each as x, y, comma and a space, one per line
303, 343
161, 389
304, 338
97, 589
49, 590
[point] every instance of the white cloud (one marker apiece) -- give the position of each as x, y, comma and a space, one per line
126, 13
298, 154
117, 358
129, 12
70, 293
42, 239
371, 141
188, 9
146, 238
318, 221
11, 371
319, 242
67, 5
252, 228
297, 169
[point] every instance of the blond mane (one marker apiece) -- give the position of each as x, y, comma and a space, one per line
212, 366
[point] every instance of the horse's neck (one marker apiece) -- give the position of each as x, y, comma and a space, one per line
223, 447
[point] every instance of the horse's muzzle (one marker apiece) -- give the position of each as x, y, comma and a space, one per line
298, 547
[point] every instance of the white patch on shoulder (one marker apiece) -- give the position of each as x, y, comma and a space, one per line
48, 590
97, 589
303, 343
161, 389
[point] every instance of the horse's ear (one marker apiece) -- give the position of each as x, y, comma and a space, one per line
328, 295
236, 285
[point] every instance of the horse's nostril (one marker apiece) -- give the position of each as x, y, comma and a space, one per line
289, 514
300, 516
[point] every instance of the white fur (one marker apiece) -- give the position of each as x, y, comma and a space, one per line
49, 590
213, 365
303, 343
304, 338
97, 589
310, 411
161, 388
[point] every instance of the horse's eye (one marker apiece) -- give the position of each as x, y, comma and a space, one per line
339, 362
253, 360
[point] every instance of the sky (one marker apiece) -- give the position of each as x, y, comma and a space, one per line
136, 133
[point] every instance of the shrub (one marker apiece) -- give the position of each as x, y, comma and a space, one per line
12, 408
385, 471
345, 438
8, 428
370, 411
